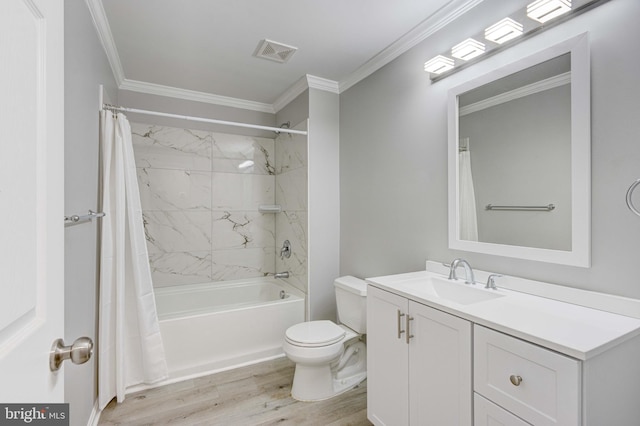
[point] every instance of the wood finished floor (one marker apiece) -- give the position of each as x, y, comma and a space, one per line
254, 395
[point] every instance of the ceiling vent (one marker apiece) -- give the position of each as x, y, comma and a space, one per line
274, 51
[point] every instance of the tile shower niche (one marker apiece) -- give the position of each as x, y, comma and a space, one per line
200, 193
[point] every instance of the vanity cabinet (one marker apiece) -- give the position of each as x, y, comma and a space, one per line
419, 363
439, 354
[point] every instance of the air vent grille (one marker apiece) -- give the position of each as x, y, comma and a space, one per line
274, 51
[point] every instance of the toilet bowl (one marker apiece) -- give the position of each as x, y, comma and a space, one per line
330, 358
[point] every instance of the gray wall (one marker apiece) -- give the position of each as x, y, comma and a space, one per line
295, 111
393, 175
86, 67
324, 202
521, 155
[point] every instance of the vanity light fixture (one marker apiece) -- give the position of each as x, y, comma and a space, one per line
438, 65
503, 30
545, 10
468, 49
537, 16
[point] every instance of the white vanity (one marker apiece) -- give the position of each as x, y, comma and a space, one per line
441, 352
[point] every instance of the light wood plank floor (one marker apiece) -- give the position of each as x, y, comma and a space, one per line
254, 395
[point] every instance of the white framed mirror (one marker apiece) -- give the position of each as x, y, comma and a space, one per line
519, 158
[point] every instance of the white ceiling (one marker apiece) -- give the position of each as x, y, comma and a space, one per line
207, 46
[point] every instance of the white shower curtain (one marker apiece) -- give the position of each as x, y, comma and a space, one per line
468, 218
130, 345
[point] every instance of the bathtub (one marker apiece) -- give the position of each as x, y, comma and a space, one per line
217, 326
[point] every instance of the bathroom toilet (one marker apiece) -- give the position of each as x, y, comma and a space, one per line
330, 358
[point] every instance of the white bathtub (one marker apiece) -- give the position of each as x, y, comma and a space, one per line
213, 327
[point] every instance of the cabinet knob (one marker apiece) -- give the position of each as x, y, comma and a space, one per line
515, 380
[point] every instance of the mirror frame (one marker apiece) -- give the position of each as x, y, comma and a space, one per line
580, 253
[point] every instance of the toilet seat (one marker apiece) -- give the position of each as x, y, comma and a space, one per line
314, 334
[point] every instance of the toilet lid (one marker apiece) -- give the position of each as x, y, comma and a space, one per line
314, 333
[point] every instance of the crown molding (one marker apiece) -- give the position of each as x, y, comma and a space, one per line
420, 33
323, 84
192, 95
106, 38
520, 92
304, 83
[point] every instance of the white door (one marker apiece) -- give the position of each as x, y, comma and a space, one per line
31, 198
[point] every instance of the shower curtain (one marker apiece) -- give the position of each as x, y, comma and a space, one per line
130, 345
467, 200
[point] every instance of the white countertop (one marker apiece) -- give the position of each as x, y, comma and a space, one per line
577, 331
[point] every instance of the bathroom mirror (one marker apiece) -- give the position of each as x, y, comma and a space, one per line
519, 158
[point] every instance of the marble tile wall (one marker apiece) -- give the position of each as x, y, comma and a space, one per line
200, 193
292, 194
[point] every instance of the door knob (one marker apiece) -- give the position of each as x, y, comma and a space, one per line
79, 352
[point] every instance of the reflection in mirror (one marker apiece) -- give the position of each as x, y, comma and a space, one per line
519, 158
515, 153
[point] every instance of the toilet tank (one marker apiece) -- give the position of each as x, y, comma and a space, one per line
351, 298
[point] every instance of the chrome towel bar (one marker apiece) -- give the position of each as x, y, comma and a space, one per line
75, 219
547, 208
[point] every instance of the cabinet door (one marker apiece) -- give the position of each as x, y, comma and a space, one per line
440, 368
387, 359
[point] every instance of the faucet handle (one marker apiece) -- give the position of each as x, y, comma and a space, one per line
491, 281
285, 251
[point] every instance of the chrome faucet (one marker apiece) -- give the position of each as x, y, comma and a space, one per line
491, 281
281, 275
469, 279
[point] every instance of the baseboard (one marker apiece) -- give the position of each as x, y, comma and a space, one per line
94, 418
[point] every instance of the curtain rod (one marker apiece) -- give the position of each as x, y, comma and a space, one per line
204, 120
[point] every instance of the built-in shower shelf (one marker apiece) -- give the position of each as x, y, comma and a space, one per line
270, 208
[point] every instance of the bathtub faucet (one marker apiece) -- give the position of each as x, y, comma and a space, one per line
281, 274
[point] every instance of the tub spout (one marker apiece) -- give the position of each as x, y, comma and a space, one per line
281, 274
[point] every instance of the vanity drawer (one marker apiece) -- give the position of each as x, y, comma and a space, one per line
486, 413
536, 384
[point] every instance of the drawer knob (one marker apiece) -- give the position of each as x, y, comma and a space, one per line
515, 380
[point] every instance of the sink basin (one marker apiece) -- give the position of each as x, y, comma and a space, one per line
453, 291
